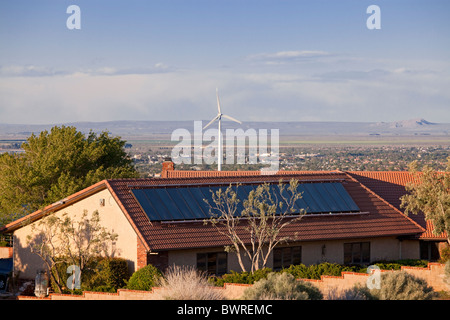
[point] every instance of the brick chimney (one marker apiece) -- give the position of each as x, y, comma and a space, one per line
167, 165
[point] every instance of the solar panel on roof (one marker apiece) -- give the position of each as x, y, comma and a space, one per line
188, 202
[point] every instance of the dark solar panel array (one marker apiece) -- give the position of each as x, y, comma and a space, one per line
187, 203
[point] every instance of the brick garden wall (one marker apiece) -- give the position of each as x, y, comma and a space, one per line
433, 274
6, 252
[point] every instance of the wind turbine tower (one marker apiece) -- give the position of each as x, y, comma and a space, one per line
219, 118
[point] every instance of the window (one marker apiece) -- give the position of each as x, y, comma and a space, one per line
357, 253
429, 250
212, 262
284, 257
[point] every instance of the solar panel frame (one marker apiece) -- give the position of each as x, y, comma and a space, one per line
145, 204
347, 198
159, 204
337, 199
187, 203
183, 208
327, 197
199, 195
196, 209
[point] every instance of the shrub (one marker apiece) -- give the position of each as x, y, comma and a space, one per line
186, 283
145, 278
111, 274
102, 274
397, 264
447, 271
281, 286
316, 271
445, 254
242, 277
357, 292
400, 285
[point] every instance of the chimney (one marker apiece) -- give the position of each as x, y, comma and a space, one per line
167, 165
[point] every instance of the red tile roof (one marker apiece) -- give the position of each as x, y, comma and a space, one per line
378, 218
390, 185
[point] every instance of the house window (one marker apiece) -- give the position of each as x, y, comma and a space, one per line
212, 262
429, 250
357, 253
284, 257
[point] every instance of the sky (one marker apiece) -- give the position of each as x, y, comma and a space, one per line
283, 60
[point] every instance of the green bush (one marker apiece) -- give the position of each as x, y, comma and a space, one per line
282, 286
445, 255
400, 285
241, 277
145, 278
103, 274
114, 271
397, 264
108, 275
315, 271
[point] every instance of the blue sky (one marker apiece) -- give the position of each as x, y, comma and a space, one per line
271, 60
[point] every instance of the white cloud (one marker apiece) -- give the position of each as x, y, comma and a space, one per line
383, 92
28, 71
283, 57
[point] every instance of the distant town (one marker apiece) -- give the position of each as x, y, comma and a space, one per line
148, 159
304, 146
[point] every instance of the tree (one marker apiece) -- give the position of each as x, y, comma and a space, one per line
56, 164
65, 240
256, 230
430, 193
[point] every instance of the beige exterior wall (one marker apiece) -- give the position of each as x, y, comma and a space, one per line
111, 217
388, 248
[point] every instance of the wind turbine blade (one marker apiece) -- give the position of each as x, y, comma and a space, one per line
217, 117
231, 118
218, 101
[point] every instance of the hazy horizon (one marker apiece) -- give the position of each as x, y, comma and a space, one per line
271, 60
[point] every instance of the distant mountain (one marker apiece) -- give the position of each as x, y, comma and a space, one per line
164, 129
411, 124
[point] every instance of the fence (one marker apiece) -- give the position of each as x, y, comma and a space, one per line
433, 274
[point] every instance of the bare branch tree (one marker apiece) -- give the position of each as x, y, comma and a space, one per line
256, 230
62, 239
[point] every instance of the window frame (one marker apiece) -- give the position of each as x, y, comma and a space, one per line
213, 263
357, 252
283, 257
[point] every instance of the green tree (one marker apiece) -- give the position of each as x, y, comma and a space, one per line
56, 164
430, 193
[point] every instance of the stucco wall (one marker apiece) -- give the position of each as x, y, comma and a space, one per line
313, 252
111, 217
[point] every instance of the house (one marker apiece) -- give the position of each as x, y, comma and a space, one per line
350, 219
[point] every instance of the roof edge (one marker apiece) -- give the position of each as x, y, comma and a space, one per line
127, 216
38, 214
386, 202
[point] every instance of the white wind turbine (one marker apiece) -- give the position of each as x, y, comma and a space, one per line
219, 117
